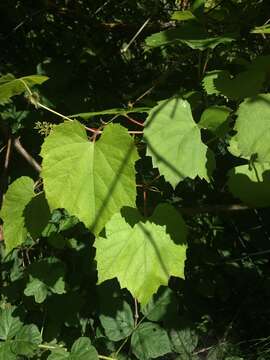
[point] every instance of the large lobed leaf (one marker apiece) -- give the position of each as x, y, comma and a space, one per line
174, 142
140, 254
91, 180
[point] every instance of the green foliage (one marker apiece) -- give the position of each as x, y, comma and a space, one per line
81, 350
145, 249
244, 84
150, 341
103, 176
191, 33
184, 155
10, 86
252, 140
17, 197
138, 227
250, 183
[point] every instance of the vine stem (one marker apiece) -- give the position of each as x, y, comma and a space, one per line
93, 130
38, 104
105, 357
51, 347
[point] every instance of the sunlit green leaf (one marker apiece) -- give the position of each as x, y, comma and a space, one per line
10, 86
141, 256
174, 142
253, 129
19, 193
215, 119
91, 180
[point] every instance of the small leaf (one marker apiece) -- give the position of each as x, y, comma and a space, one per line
26, 340
264, 29
253, 129
102, 179
83, 350
141, 256
10, 86
59, 354
215, 119
19, 193
46, 275
251, 184
36, 288
174, 142
184, 341
9, 324
183, 15
160, 305
120, 323
150, 341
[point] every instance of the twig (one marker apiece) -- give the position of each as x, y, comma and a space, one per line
136, 313
133, 120
135, 36
213, 209
21, 150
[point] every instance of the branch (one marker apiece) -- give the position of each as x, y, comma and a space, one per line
213, 209
21, 150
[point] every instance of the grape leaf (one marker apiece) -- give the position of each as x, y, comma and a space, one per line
215, 119
10, 86
91, 180
19, 193
26, 341
150, 341
251, 183
141, 256
184, 341
9, 323
120, 323
166, 214
46, 275
190, 33
162, 304
81, 350
245, 84
174, 142
5, 351
253, 129
183, 15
